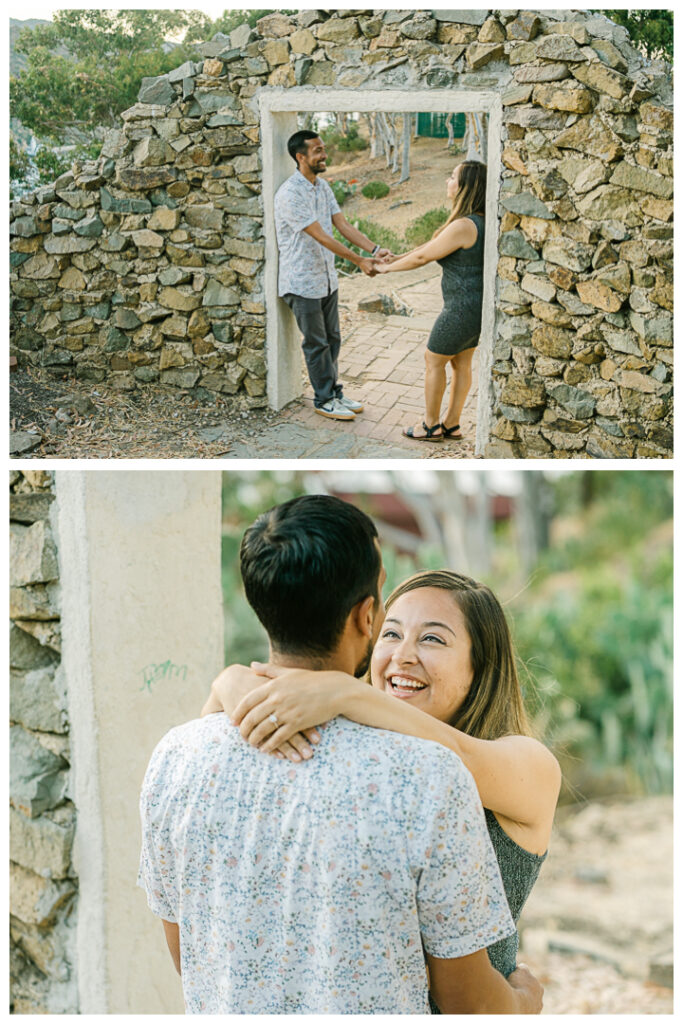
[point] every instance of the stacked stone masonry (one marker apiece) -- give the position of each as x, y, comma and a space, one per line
147, 264
43, 885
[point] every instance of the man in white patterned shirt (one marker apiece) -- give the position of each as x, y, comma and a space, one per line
305, 213
323, 887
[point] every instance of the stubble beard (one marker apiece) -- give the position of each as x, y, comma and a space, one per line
364, 665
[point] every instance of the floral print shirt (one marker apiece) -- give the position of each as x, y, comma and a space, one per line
311, 888
306, 266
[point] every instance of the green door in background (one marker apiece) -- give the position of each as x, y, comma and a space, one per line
434, 125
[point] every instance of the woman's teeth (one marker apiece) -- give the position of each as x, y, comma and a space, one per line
403, 683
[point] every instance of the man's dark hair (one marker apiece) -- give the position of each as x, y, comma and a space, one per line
298, 143
305, 564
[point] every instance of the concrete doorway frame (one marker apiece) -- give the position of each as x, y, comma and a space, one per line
278, 114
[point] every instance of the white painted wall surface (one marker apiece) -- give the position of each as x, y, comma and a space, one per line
143, 637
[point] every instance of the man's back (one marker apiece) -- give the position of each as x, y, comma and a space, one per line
310, 888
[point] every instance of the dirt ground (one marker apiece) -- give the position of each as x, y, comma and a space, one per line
598, 927
431, 164
61, 417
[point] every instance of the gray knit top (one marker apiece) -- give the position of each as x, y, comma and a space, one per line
519, 870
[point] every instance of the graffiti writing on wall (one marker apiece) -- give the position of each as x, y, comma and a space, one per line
157, 673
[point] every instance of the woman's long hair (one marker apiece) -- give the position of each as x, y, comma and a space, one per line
471, 194
493, 706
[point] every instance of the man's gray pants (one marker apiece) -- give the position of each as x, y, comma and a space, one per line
318, 321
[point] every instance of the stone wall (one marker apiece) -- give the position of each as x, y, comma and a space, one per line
147, 264
43, 884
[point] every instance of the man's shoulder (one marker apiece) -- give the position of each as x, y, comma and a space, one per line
289, 185
191, 739
402, 751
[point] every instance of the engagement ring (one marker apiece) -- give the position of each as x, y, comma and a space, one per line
273, 718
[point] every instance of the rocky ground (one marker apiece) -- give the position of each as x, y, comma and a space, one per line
598, 927
62, 417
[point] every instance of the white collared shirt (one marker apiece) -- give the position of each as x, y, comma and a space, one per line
306, 266
311, 888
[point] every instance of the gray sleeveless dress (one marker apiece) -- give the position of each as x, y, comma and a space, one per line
458, 324
519, 870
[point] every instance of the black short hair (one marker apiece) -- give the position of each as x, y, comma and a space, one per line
305, 564
298, 143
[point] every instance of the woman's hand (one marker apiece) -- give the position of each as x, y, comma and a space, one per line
292, 701
229, 687
232, 685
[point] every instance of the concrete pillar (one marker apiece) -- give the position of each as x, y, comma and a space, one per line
142, 638
283, 341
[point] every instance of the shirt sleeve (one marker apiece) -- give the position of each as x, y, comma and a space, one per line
331, 199
462, 905
157, 871
297, 210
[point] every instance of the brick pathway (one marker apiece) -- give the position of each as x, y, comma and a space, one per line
382, 365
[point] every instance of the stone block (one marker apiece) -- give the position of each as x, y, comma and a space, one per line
642, 180
37, 700
33, 556
580, 404
30, 507
598, 294
603, 79
37, 776
525, 26
592, 136
575, 101
156, 91
43, 844
527, 391
552, 341
562, 48
526, 204
36, 900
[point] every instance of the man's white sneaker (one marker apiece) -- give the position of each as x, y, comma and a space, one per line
351, 404
335, 410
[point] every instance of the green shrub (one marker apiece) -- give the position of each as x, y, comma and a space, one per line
351, 144
375, 190
422, 229
341, 190
384, 236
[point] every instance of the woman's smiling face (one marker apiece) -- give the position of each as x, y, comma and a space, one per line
422, 654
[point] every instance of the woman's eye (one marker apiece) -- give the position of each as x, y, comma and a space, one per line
389, 634
431, 636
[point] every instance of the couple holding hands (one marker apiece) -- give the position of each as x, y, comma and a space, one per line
306, 212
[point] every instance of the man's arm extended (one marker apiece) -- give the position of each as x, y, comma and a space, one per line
172, 933
356, 237
316, 231
469, 984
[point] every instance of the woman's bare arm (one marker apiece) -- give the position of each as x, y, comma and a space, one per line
517, 777
457, 235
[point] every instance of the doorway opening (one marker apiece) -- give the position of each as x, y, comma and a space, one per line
281, 111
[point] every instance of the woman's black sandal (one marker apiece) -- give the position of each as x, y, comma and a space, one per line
449, 432
429, 433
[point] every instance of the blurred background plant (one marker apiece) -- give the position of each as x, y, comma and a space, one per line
582, 562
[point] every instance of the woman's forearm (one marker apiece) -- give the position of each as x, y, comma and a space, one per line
368, 706
410, 261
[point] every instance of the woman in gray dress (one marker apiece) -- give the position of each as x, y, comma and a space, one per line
458, 248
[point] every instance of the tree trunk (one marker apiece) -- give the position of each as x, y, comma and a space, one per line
533, 517
405, 164
451, 133
475, 137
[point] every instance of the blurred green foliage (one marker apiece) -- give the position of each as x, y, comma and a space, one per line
593, 625
375, 190
386, 238
595, 631
422, 229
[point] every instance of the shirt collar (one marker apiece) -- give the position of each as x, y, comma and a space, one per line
309, 184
